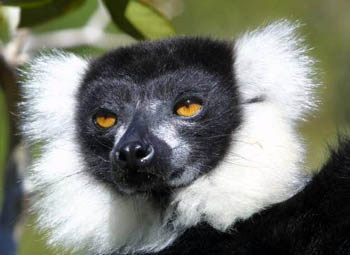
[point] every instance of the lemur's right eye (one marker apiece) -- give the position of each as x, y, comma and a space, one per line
105, 120
188, 107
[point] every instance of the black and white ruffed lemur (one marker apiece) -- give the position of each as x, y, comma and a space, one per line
184, 146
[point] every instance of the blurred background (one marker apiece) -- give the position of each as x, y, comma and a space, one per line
89, 27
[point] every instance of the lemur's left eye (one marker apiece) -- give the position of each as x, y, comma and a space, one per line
105, 119
188, 107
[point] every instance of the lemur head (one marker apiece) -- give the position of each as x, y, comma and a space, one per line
154, 138
154, 117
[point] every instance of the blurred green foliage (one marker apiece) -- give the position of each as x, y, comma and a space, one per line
4, 35
327, 30
26, 3
150, 22
69, 20
3, 138
36, 15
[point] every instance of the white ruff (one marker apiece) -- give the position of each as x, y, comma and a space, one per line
261, 168
80, 212
272, 63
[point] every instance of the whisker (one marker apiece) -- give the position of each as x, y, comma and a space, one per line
47, 185
103, 159
104, 145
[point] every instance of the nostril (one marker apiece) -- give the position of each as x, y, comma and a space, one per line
134, 155
140, 152
147, 156
122, 156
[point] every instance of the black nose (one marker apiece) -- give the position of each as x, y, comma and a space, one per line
134, 155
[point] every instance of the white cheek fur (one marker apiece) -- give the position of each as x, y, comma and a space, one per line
52, 82
264, 164
262, 167
272, 63
79, 212
82, 213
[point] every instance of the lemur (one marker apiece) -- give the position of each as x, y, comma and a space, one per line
187, 145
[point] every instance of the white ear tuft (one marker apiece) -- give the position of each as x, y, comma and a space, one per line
49, 91
272, 64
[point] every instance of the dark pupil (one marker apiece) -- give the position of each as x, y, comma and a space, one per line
105, 115
188, 102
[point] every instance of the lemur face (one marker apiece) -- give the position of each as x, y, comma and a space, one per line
156, 116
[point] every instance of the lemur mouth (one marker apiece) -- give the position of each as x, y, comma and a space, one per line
136, 181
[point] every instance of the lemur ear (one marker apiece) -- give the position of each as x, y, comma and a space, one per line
49, 90
272, 64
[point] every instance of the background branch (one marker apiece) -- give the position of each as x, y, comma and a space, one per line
93, 33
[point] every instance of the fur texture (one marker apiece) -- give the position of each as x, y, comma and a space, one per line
314, 221
262, 167
272, 64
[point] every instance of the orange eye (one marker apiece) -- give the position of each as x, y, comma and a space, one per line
105, 120
188, 108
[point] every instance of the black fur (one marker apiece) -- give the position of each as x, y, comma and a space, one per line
316, 221
128, 80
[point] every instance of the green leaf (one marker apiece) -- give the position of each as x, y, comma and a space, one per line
43, 13
139, 19
4, 135
148, 20
117, 10
4, 27
25, 3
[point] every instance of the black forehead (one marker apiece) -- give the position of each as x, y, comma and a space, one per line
151, 59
